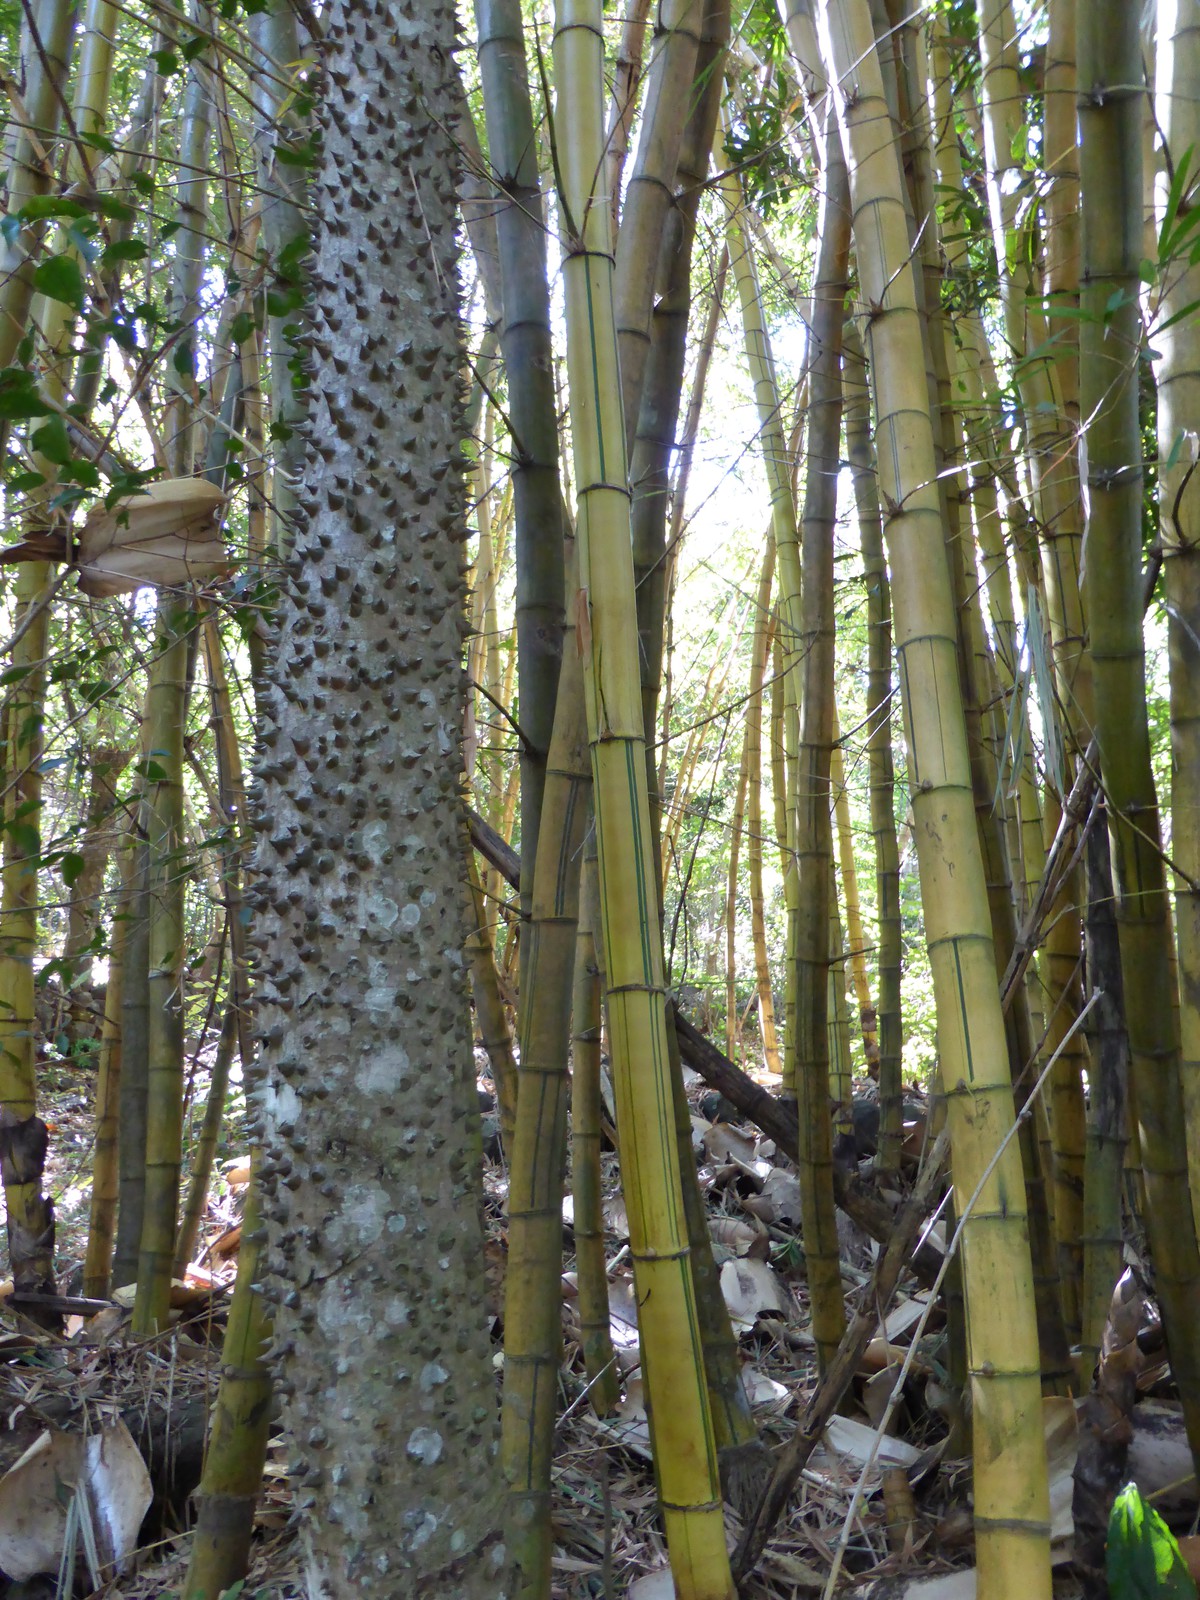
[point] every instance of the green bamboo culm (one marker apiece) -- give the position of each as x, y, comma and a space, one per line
1178, 371
533, 1296
880, 765
681, 1423
240, 1425
813, 841
166, 710
1111, 91
604, 1385
1010, 1485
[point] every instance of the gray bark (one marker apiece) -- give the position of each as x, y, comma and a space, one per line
366, 1081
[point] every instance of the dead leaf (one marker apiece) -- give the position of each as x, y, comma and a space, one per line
947, 1586
751, 1290
1189, 1549
658, 1585
724, 1143
781, 1192
106, 1466
1159, 1458
740, 1238
762, 1390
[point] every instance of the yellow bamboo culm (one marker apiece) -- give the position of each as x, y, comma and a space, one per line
1011, 1495
605, 617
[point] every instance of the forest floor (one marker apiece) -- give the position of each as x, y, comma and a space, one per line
910, 1519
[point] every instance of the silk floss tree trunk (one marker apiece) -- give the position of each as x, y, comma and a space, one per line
366, 1090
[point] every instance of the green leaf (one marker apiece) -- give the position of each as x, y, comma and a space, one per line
290, 264
296, 155
51, 441
98, 141
124, 250
1144, 1562
1182, 315
80, 236
72, 868
50, 205
25, 838
60, 278
142, 182
280, 303
81, 472
166, 61
241, 327
107, 205
22, 481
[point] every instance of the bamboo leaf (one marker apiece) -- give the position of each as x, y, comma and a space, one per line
1144, 1560
19, 397
52, 441
60, 278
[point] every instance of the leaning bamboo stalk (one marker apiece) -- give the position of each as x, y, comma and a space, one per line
977, 676
759, 654
1110, 111
529, 366
1109, 1113
241, 1424
881, 774
681, 1423
278, 128
102, 1220
533, 1296
1011, 1497
595, 1333
627, 80
1063, 942
204, 1149
28, 1212
650, 192
46, 49
813, 840
1178, 372
166, 703
841, 1065
737, 826
857, 955
657, 434
490, 1015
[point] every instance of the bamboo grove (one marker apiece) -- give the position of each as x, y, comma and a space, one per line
643, 538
